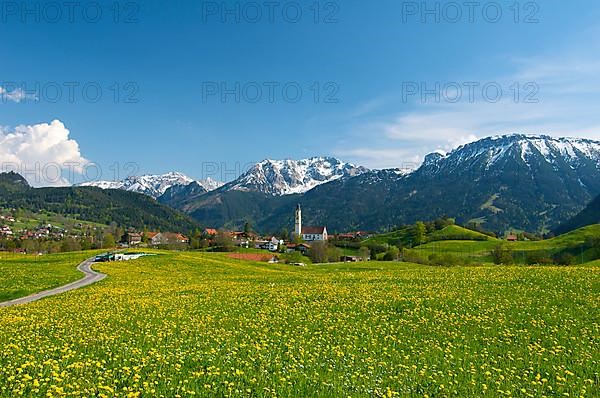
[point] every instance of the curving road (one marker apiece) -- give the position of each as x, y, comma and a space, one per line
90, 277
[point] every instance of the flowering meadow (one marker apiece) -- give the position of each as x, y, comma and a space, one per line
191, 324
22, 275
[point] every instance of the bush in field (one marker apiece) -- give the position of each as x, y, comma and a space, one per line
334, 254
376, 249
293, 258
409, 257
564, 258
446, 260
318, 252
223, 242
502, 254
364, 253
392, 254
539, 258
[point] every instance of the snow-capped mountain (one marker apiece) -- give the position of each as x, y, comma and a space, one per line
285, 177
153, 185
511, 182
529, 150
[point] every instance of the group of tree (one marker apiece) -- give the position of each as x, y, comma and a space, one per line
67, 244
503, 254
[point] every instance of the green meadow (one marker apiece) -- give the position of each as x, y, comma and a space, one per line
203, 324
22, 275
478, 251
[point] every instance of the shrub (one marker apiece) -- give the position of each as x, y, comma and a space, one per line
539, 258
446, 260
564, 259
392, 254
502, 254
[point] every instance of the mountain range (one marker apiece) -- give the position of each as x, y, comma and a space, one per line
287, 177
154, 185
516, 181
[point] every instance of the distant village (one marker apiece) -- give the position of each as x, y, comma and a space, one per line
48, 238
21, 232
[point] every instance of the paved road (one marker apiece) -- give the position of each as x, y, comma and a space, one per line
90, 277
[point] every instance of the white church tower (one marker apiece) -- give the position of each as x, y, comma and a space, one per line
298, 225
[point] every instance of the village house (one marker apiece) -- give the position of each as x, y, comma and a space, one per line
166, 238
210, 231
273, 244
298, 247
132, 238
6, 231
348, 236
352, 236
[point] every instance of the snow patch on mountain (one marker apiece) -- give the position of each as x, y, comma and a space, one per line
575, 152
153, 185
287, 177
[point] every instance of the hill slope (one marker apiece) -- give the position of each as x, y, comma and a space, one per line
93, 204
589, 215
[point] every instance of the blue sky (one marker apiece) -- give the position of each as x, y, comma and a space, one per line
364, 62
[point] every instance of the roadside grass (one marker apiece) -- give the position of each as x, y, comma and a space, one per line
200, 324
22, 275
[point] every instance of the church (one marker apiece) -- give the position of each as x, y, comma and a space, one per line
308, 233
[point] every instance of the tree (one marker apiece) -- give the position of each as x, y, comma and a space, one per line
223, 241
247, 228
376, 249
318, 252
443, 222
334, 254
284, 234
85, 243
70, 245
418, 233
364, 253
108, 241
392, 254
293, 257
502, 254
564, 258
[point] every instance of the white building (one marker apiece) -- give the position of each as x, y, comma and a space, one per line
274, 243
309, 233
298, 224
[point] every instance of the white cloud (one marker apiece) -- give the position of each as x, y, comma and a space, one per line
43, 153
381, 158
17, 95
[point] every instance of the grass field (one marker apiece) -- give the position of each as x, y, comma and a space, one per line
202, 324
22, 275
404, 237
479, 251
